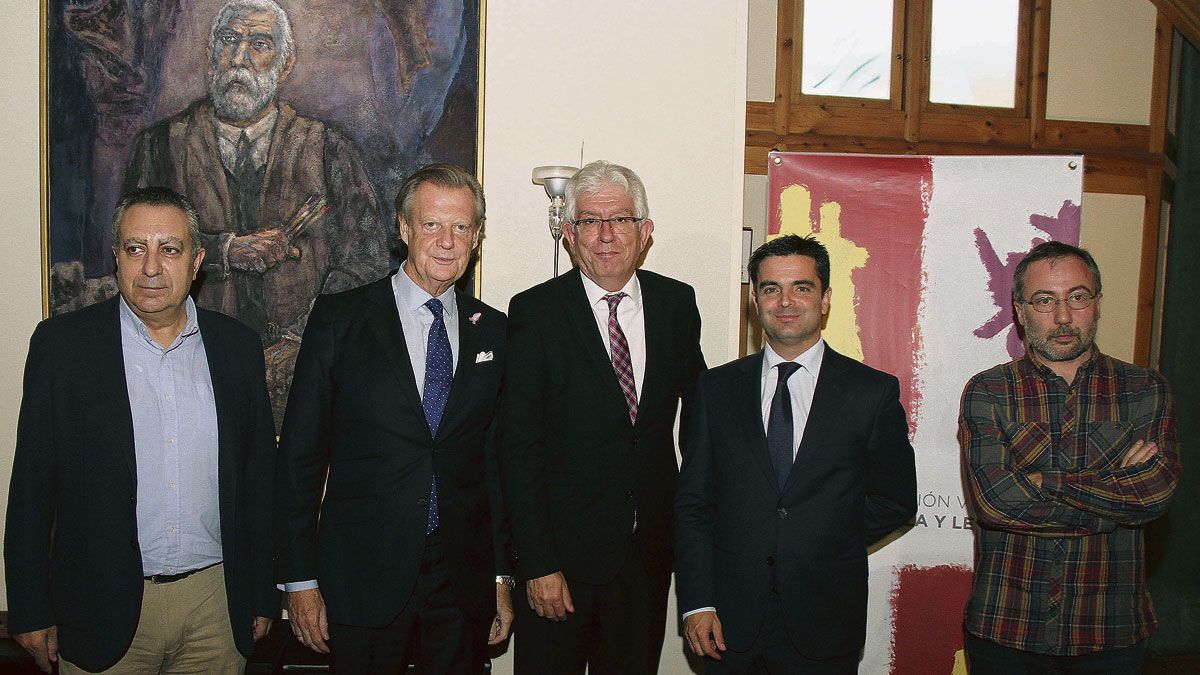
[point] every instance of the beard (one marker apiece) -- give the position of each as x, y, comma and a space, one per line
1045, 346
238, 94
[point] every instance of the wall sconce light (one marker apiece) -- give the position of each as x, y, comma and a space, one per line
554, 179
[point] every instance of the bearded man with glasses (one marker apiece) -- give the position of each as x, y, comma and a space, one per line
1067, 453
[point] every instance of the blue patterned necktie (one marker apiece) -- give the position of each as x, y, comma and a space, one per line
780, 425
439, 372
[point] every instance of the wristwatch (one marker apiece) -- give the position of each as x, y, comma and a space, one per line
508, 580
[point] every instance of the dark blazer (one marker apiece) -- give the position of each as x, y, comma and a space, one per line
354, 411
574, 468
739, 535
71, 544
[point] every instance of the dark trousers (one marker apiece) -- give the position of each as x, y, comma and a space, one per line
617, 627
985, 657
774, 653
430, 631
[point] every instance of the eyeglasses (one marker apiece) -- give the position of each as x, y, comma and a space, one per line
590, 226
1048, 303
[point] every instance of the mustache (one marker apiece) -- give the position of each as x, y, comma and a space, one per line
235, 75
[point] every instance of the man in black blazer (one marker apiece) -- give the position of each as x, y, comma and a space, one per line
599, 359
783, 489
138, 529
392, 543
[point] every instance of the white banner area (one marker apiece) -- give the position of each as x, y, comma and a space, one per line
923, 251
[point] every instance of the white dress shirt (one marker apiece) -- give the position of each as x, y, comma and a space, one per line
629, 316
259, 135
801, 386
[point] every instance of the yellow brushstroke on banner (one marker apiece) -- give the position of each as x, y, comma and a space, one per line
841, 327
960, 663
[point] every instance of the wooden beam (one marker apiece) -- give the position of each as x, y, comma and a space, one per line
1184, 14
1160, 84
1039, 66
784, 46
1148, 269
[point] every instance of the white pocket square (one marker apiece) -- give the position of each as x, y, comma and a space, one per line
483, 356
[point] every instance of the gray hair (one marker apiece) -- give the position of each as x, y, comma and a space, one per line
284, 44
601, 174
441, 175
157, 196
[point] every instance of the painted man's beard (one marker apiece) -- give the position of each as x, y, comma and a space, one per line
238, 94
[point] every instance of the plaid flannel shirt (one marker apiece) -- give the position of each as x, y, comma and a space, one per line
1060, 570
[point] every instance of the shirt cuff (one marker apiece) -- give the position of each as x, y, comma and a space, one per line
697, 611
293, 586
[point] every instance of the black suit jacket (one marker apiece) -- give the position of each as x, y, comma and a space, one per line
739, 535
574, 468
355, 413
71, 543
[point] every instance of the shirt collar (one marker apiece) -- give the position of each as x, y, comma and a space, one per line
412, 298
1085, 368
811, 358
254, 132
595, 294
132, 325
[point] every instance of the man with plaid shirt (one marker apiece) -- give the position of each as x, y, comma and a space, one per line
1067, 453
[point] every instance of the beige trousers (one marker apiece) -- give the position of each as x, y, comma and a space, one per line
183, 628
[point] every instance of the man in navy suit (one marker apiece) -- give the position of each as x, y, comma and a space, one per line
784, 486
392, 542
139, 516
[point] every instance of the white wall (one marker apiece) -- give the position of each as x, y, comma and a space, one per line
1101, 60
20, 275
661, 90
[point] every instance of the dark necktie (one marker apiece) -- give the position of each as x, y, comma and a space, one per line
622, 364
243, 166
439, 372
780, 425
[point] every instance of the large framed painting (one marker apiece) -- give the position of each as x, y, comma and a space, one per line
288, 123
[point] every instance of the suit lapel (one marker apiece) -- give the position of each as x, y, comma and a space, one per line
204, 160
110, 373
385, 323
225, 396
583, 322
827, 400
658, 347
468, 348
748, 399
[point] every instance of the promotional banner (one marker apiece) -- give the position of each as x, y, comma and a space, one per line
922, 253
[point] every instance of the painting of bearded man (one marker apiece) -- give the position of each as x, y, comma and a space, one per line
269, 151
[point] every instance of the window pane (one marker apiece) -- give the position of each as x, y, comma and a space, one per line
847, 48
973, 59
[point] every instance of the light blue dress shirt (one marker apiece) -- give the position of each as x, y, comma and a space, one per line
175, 446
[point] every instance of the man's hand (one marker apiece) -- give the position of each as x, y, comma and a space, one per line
259, 251
262, 626
42, 644
306, 611
703, 633
1138, 453
502, 624
549, 596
